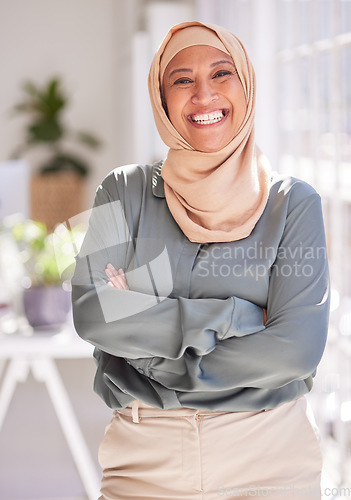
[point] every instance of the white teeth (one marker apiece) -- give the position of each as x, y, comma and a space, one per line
208, 119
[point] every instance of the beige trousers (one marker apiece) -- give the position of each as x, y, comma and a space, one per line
186, 454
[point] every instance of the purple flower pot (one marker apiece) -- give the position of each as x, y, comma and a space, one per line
47, 305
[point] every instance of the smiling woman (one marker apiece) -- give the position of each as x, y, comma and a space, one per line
196, 72
198, 287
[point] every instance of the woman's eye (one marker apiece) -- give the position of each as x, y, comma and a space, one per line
182, 81
222, 73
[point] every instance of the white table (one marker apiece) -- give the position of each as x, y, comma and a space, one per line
37, 353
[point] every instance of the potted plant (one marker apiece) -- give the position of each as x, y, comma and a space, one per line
57, 188
46, 290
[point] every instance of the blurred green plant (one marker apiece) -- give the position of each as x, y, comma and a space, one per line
45, 254
44, 107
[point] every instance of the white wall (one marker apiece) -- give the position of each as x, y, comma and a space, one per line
79, 40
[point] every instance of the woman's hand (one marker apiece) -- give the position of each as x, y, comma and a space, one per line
117, 277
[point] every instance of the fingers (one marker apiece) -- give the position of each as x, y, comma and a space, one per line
117, 277
265, 316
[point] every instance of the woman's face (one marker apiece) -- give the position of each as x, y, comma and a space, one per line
204, 97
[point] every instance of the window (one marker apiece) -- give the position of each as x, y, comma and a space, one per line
313, 71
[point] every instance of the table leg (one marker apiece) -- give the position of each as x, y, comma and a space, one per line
45, 370
16, 372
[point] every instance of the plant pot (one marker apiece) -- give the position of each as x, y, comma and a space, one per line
55, 197
46, 305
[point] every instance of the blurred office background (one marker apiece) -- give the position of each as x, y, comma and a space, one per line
102, 49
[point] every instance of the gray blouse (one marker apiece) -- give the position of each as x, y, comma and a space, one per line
190, 331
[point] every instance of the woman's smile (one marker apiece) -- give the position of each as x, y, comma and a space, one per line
204, 98
210, 118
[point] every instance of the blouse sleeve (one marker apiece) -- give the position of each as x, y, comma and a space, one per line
290, 346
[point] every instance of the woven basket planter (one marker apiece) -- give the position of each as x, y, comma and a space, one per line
56, 197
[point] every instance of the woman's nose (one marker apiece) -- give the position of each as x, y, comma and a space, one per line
204, 93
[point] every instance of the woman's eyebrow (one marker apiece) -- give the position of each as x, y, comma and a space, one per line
221, 62
180, 70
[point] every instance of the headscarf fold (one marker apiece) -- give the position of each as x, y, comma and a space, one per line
217, 196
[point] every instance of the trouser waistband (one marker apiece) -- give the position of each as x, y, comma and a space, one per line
137, 410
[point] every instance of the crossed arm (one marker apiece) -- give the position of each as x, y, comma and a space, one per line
212, 344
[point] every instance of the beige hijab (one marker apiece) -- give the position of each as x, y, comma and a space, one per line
217, 196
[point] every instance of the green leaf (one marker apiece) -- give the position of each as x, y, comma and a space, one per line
66, 162
48, 130
41, 252
88, 139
